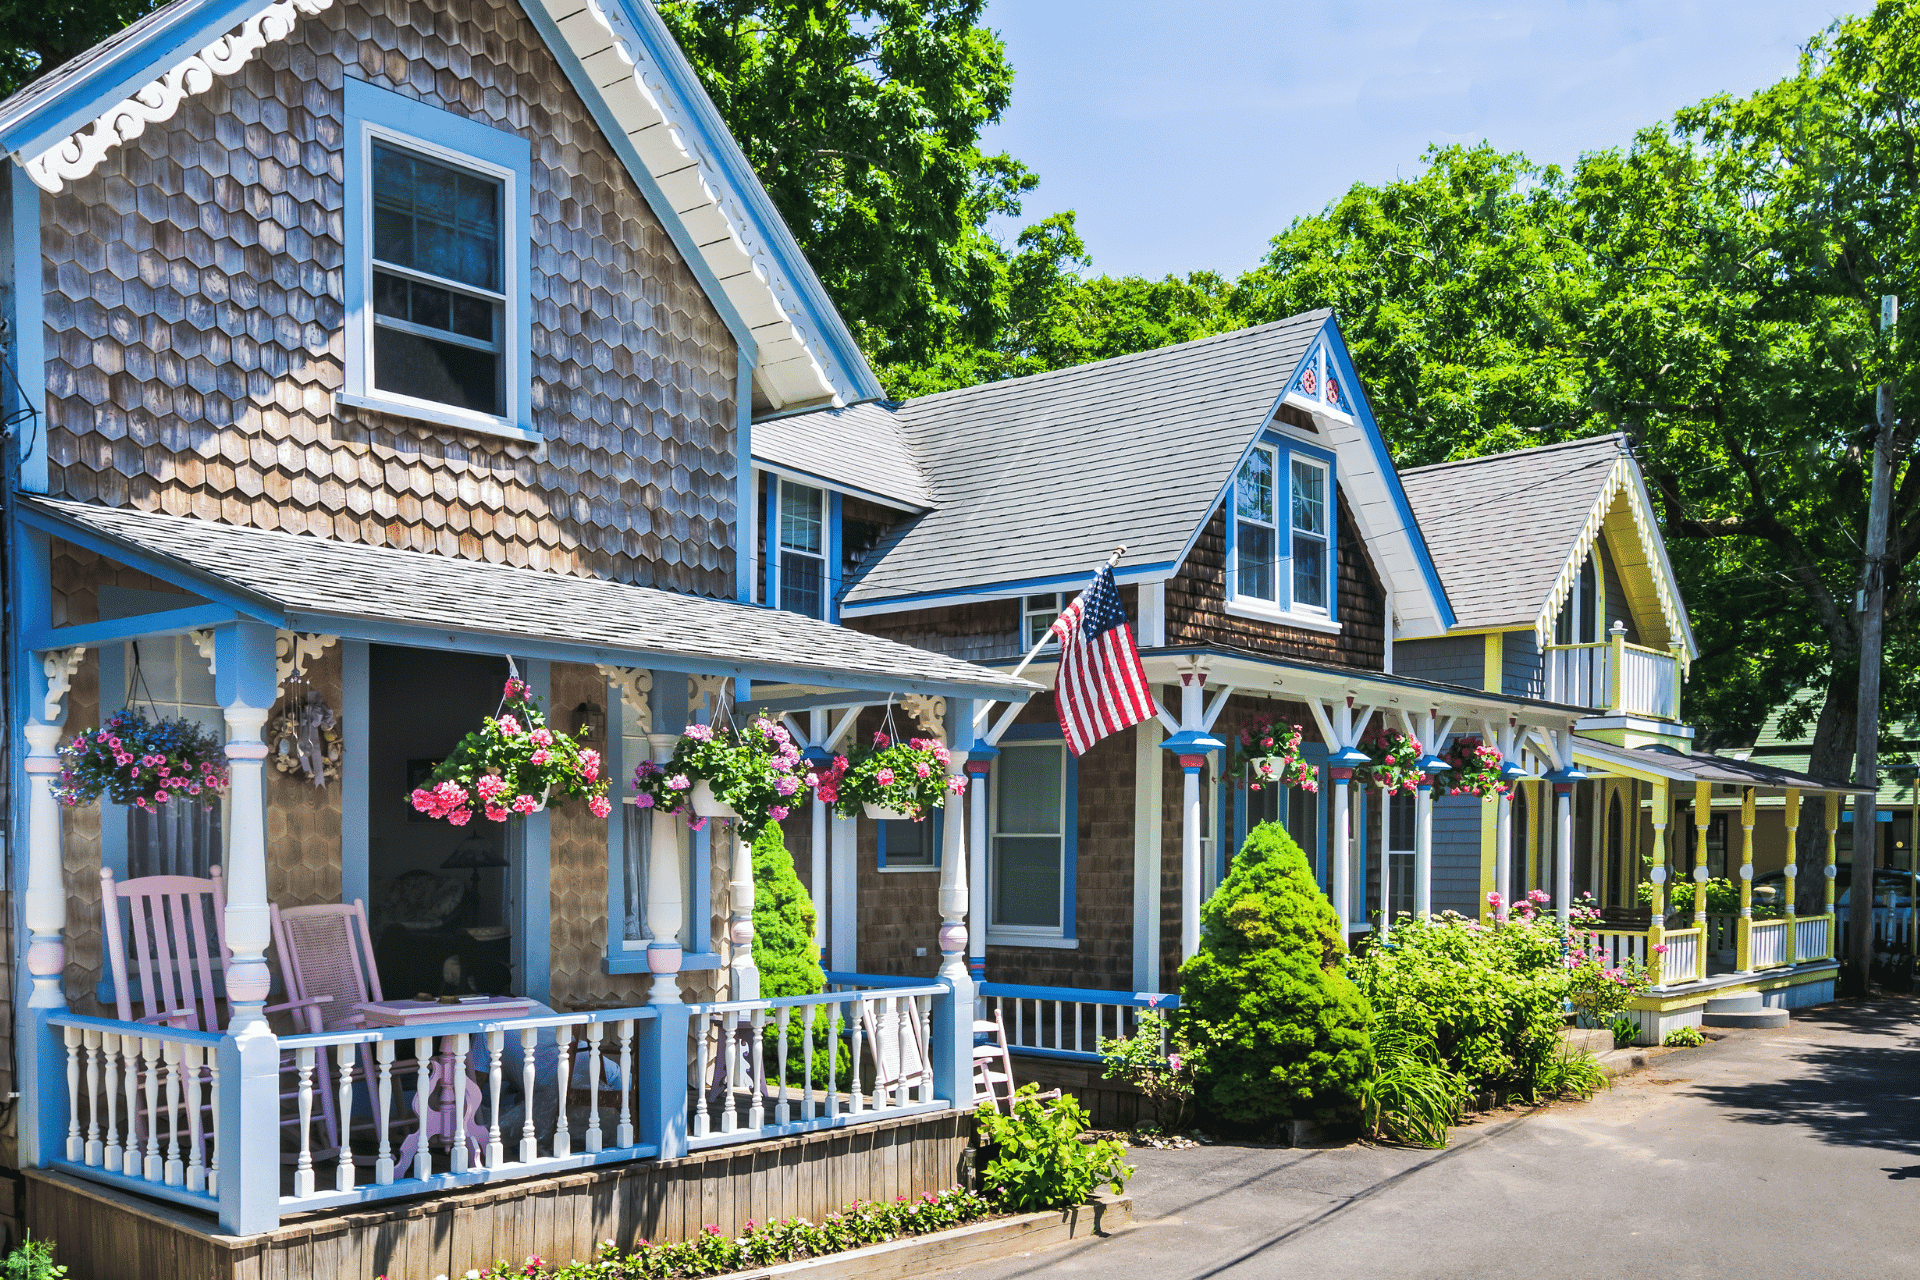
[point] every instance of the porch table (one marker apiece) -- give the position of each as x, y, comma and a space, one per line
441, 1122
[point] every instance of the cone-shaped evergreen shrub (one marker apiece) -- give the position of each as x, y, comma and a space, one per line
783, 948
1289, 1031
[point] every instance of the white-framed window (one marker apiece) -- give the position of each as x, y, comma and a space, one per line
1307, 490
636, 842
909, 846
800, 527
1028, 871
437, 266
167, 677
1037, 616
1256, 543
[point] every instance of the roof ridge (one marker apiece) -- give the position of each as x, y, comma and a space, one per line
1319, 315
1619, 437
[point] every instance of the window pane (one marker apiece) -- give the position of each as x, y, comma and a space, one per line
411, 364
1253, 493
1038, 624
1026, 881
801, 585
1309, 571
801, 517
436, 219
174, 839
1253, 562
1309, 498
909, 844
1027, 784
1400, 822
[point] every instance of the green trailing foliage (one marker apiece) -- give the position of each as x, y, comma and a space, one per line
1287, 1034
31, 1260
1411, 1096
1038, 1160
1687, 1037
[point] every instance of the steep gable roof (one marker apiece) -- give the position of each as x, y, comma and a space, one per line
1510, 531
620, 58
861, 448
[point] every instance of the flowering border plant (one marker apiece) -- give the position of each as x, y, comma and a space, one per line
1601, 990
1395, 756
1474, 768
1268, 751
908, 777
753, 771
144, 763
513, 764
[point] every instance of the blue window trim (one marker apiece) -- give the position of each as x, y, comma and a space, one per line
1284, 448
471, 145
938, 820
1069, 836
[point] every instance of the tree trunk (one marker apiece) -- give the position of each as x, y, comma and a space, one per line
1830, 760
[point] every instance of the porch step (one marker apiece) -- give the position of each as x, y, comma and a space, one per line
1747, 1010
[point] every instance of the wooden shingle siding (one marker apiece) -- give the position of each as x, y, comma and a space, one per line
988, 629
1522, 665
1457, 660
1197, 596
1456, 853
194, 321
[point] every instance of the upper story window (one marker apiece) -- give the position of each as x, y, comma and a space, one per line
439, 325
437, 262
1038, 614
802, 566
1282, 556
1582, 618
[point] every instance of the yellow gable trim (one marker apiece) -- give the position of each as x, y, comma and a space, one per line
1620, 514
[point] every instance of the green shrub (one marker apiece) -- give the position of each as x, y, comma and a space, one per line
1489, 999
1574, 1073
1684, 1037
1723, 899
32, 1260
1287, 1030
1160, 1061
1411, 1095
1625, 1032
1039, 1161
783, 922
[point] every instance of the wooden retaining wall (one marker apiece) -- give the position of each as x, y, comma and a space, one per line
103, 1234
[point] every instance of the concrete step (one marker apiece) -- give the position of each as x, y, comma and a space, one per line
1746, 1002
1762, 1017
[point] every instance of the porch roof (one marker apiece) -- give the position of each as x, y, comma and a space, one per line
301, 583
1660, 764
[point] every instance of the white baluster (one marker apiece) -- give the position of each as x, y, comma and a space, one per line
529, 1143
831, 1105
623, 1134
756, 1068
195, 1056
1059, 1041
344, 1056
425, 1070
152, 1167
459, 1160
303, 1166
812, 1020
496, 1150
93, 1068
780, 1110
730, 1072
213, 1109
701, 1077
853, 1057
383, 1113
562, 1135
176, 1170
923, 1011
1078, 1043
596, 1031
903, 1030
76, 1145
130, 1055
115, 1154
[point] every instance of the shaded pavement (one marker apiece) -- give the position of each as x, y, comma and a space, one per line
1792, 1153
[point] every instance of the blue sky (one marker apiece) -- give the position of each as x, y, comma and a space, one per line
1187, 134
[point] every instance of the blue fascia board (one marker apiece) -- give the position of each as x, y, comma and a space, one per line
136, 626
184, 28
1011, 587
217, 590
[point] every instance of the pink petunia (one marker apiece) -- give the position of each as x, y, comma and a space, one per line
777, 812
509, 726
600, 806
542, 737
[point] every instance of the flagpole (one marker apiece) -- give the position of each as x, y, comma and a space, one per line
1039, 644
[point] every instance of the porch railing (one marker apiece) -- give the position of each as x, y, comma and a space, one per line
1812, 936
1621, 946
1892, 928
1614, 676
1723, 933
1067, 1022
1767, 944
1681, 963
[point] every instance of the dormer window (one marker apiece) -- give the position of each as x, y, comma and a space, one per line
1282, 568
1582, 618
803, 549
1037, 614
1309, 506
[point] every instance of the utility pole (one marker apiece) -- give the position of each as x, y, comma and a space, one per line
1873, 597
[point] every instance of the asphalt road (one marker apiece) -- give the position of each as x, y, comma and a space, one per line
1789, 1153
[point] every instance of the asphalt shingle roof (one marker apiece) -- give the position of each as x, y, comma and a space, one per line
1500, 528
1040, 477
299, 575
859, 447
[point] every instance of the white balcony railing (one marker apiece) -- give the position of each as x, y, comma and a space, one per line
1616, 677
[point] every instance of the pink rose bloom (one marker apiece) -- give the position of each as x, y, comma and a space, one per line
542, 737
525, 804
678, 782
884, 777
459, 817
643, 801
600, 806
509, 726
540, 757
777, 812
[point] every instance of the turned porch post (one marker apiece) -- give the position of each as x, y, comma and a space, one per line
660, 1069
1702, 819
951, 1036
1563, 855
1342, 851
1503, 852
1793, 875
1743, 954
1423, 847
1662, 810
817, 756
1833, 859
1190, 746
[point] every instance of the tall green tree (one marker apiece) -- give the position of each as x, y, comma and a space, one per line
36, 37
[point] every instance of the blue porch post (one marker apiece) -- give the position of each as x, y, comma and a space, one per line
248, 1133
952, 1030
663, 1072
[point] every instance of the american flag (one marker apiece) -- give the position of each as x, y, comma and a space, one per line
1101, 688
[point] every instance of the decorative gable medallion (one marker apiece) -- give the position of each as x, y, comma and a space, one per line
1319, 380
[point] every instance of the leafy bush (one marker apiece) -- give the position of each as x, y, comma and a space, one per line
1625, 1032
1573, 1073
1039, 1161
1685, 1037
32, 1260
1489, 999
1411, 1095
761, 1245
1288, 1031
1160, 1061
783, 922
1723, 899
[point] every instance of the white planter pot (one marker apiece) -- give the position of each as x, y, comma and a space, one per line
706, 806
880, 813
1277, 763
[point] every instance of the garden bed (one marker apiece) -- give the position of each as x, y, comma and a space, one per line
962, 1246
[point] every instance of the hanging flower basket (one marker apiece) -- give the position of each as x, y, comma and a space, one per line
1267, 754
1394, 758
143, 763
1474, 769
514, 764
890, 780
748, 775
